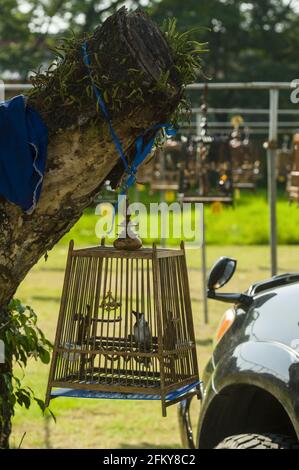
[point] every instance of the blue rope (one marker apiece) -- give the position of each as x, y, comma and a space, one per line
102, 105
142, 148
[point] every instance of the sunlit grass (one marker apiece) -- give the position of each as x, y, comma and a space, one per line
247, 223
119, 424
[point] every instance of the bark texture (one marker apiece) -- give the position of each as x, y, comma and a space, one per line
81, 154
6, 410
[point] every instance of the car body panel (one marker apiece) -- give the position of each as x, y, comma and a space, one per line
260, 349
272, 367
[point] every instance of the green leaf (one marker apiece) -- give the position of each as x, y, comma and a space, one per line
44, 356
23, 339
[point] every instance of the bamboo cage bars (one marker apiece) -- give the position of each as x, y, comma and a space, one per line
125, 323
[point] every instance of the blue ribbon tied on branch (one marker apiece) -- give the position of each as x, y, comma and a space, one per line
143, 145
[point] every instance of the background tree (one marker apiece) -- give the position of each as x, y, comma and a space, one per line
256, 40
248, 40
29, 29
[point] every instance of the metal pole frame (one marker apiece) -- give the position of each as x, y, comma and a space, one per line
271, 167
204, 266
273, 88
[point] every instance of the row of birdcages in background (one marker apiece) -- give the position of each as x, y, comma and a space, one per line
205, 165
214, 165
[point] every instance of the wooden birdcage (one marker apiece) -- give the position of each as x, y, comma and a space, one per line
125, 327
245, 167
207, 174
283, 164
165, 174
207, 179
293, 179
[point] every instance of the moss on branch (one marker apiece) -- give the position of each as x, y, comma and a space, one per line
134, 65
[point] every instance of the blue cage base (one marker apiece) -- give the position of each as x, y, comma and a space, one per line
171, 396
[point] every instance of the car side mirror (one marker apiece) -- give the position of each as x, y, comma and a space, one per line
220, 274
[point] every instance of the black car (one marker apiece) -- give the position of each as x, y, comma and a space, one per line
250, 389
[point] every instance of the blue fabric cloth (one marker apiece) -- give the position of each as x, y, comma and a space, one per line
23, 153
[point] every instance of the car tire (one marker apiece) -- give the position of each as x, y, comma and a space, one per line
258, 441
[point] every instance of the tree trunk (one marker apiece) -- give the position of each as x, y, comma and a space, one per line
129, 55
6, 409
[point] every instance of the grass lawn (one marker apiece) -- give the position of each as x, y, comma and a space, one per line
247, 223
118, 424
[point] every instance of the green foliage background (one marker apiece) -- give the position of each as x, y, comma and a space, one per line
252, 40
247, 223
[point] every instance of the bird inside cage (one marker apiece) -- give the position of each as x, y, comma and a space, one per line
142, 337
